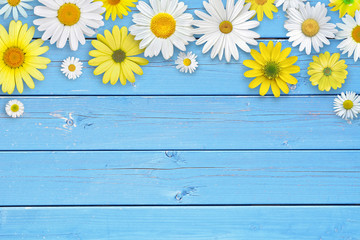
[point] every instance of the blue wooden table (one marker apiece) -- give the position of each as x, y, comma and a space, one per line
179, 156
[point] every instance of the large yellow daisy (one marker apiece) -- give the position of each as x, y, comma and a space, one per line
261, 7
117, 7
20, 58
327, 71
345, 6
114, 56
272, 67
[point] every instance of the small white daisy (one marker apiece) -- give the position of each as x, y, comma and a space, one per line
347, 105
68, 19
14, 108
308, 27
350, 31
186, 62
289, 3
162, 26
226, 29
16, 7
72, 68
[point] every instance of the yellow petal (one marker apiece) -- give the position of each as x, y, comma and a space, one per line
275, 88
253, 73
257, 57
264, 88
257, 81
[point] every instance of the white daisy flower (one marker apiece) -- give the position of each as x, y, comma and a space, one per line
71, 68
226, 29
16, 7
289, 3
162, 26
68, 19
308, 27
14, 108
350, 31
186, 62
347, 105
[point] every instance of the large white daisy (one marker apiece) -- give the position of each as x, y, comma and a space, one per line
226, 29
350, 31
308, 27
162, 26
289, 3
16, 7
347, 105
68, 19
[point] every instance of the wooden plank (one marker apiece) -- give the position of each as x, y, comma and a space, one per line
150, 123
168, 178
193, 223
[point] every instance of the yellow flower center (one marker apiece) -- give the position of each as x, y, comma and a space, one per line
356, 34
271, 70
163, 25
327, 71
15, 108
72, 67
113, 2
69, 14
348, 104
13, 3
260, 2
14, 57
310, 27
348, 2
187, 62
226, 27
119, 56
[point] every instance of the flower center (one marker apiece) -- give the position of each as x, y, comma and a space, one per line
356, 34
14, 57
260, 2
72, 67
187, 62
327, 71
348, 2
15, 108
271, 70
163, 25
119, 56
113, 2
348, 104
310, 27
69, 14
226, 27
13, 3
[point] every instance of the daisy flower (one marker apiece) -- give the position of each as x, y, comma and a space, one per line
186, 62
350, 31
263, 6
20, 57
226, 29
16, 7
117, 8
68, 19
162, 26
14, 108
327, 71
272, 67
308, 27
115, 56
289, 4
71, 68
345, 6
347, 105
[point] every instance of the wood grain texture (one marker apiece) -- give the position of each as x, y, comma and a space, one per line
193, 223
150, 123
170, 177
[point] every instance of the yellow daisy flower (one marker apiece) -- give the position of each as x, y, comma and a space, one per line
345, 6
117, 7
327, 71
113, 56
20, 58
272, 67
261, 7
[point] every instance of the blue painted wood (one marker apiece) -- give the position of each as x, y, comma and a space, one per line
158, 177
193, 223
130, 123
